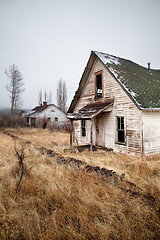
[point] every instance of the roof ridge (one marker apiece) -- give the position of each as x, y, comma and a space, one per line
125, 59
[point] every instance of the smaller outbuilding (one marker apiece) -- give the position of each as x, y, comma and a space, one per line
47, 114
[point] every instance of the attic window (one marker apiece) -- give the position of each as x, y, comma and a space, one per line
98, 85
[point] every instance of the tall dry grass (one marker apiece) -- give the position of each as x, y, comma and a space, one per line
56, 202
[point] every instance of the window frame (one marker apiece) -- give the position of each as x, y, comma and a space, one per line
121, 129
83, 128
95, 83
33, 121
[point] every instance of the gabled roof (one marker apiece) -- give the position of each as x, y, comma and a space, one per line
141, 85
39, 109
90, 110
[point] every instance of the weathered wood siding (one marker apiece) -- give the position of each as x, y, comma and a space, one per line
123, 106
151, 132
53, 112
79, 139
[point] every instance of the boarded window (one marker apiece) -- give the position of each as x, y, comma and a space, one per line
98, 85
83, 128
120, 130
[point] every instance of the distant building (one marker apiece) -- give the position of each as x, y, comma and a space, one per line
46, 114
117, 105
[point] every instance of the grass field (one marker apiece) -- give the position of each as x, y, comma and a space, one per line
57, 201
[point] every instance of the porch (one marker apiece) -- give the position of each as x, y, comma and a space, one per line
91, 113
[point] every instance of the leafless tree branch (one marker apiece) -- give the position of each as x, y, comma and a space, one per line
15, 87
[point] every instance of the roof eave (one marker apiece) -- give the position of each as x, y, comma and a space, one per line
150, 109
81, 116
78, 117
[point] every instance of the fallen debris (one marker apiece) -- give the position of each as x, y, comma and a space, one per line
109, 176
94, 148
20, 157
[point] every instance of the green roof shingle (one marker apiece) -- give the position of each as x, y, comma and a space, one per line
142, 85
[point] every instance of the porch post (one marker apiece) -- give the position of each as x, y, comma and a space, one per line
71, 131
91, 143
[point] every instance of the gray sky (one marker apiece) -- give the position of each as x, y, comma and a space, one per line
52, 39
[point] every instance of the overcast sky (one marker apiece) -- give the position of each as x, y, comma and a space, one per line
52, 39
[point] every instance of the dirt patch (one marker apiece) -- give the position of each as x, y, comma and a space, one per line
94, 148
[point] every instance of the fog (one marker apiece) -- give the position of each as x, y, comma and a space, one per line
51, 40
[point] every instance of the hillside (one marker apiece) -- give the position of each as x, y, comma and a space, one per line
71, 194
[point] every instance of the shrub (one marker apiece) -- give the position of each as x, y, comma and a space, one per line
14, 121
59, 126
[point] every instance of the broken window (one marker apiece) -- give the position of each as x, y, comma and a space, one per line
33, 121
120, 130
83, 128
98, 85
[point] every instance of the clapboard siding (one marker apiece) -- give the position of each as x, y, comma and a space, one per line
123, 106
151, 132
53, 112
79, 139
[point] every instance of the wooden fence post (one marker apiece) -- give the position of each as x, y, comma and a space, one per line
71, 131
91, 143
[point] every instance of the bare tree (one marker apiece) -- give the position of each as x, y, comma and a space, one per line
15, 87
50, 97
62, 95
59, 94
64, 99
40, 97
45, 96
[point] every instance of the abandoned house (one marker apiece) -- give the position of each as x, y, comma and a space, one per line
117, 106
47, 114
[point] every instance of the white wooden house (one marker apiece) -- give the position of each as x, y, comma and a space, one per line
117, 105
45, 114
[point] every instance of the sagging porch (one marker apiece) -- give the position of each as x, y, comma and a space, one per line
91, 113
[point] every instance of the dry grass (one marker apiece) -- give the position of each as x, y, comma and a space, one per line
141, 171
55, 202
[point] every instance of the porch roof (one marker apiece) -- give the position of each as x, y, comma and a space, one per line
90, 110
